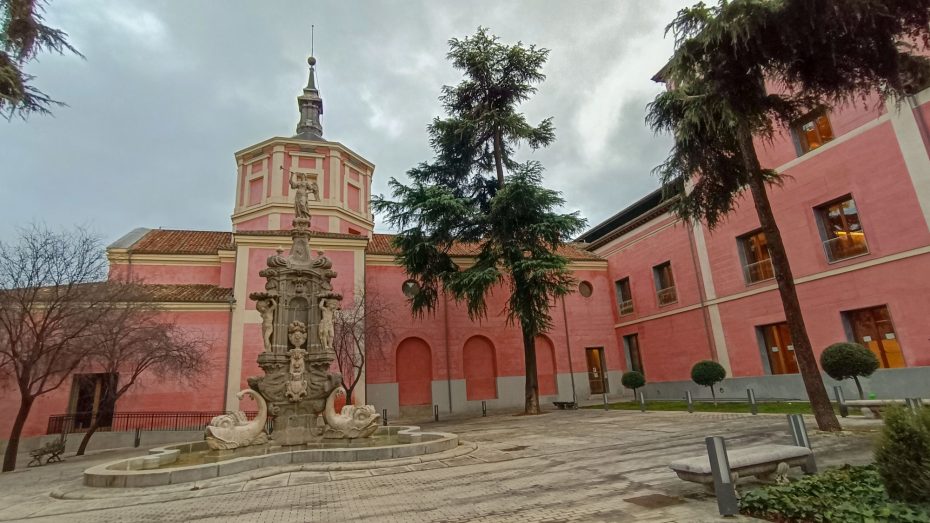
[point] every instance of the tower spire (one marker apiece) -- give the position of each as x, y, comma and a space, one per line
311, 107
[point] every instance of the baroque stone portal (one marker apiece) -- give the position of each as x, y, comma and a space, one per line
297, 310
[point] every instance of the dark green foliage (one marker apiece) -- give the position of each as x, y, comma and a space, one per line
633, 380
707, 373
23, 35
903, 455
839, 495
847, 360
460, 199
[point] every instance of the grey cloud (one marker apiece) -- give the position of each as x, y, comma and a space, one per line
170, 90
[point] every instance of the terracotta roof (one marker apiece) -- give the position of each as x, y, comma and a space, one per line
381, 244
193, 293
167, 241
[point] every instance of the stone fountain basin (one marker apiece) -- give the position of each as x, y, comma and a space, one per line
167, 465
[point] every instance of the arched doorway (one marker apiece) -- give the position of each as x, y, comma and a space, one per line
480, 369
545, 367
414, 372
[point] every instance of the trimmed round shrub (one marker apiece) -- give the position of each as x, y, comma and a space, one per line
842, 361
903, 455
708, 373
633, 380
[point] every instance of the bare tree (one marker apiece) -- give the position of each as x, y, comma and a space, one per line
50, 296
136, 339
362, 332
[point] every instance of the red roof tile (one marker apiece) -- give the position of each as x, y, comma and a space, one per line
193, 293
381, 244
167, 241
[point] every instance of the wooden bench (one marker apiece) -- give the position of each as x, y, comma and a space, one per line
765, 462
562, 405
52, 449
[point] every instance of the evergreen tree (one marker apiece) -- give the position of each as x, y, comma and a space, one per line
22, 36
461, 198
818, 52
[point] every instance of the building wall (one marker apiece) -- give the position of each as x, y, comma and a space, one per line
469, 361
874, 160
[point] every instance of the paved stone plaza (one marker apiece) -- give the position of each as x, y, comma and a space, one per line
585, 465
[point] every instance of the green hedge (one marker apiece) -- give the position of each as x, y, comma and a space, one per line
839, 495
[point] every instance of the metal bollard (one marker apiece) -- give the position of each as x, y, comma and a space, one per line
724, 489
604, 397
753, 407
799, 434
384, 417
690, 399
484, 409
915, 404
137, 440
436, 412
841, 401
642, 402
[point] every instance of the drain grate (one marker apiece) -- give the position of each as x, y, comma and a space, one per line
655, 501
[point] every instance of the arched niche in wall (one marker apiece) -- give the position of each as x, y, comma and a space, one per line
480, 368
545, 366
414, 372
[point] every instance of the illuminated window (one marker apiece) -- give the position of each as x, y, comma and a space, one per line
841, 230
624, 296
665, 283
757, 261
874, 329
813, 131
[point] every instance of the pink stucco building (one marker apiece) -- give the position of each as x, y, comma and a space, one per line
655, 294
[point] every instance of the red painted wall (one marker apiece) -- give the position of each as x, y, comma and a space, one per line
480, 371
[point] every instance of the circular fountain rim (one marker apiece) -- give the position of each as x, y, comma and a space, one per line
142, 471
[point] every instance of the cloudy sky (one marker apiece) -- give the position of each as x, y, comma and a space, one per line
170, 90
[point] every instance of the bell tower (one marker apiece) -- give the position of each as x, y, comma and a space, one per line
264, 193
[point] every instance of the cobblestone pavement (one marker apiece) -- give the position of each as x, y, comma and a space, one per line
581, 465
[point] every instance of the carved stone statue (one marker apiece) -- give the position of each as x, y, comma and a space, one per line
297, 386
328, 307
266, 308
353, 421
230, 431
297, 334
302, 197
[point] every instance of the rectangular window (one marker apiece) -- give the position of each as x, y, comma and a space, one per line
757, 261
634, 360
624, 296
813, 130
841, 230
873, 328
665, 283
92, 397
597, 374
776, 343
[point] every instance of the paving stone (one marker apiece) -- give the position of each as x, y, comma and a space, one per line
578, 466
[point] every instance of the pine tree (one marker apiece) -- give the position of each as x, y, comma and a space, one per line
474, 193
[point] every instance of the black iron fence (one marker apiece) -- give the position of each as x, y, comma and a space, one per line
131, 421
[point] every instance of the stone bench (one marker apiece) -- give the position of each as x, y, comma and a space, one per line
562, 405
765, 462
874, 408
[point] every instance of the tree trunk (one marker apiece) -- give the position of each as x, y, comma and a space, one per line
807, 363
859, 387
713, 394
532, 381
12, 446
499, 157
86, 439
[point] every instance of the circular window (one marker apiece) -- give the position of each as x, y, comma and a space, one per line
410, 288
585, 288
